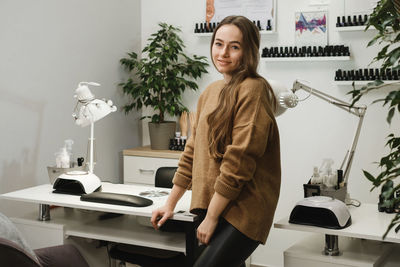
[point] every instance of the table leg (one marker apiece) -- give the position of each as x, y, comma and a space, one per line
44, 212
192, 245
332, 245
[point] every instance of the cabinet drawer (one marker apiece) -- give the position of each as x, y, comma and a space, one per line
142, 170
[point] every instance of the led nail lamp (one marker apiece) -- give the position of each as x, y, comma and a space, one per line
87, 111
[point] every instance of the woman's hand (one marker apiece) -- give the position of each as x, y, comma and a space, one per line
160, 216
206, 229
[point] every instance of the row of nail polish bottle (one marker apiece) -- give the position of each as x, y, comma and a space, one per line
205, 27
267, 28
177, 144
367, 74
306, 51
355, 21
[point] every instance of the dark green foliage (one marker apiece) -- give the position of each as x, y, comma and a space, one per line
386, 19
163, 75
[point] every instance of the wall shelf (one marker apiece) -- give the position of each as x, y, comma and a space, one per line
361, 82
353, 28
301, 59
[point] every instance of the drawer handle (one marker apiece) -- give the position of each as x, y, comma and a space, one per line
146, 171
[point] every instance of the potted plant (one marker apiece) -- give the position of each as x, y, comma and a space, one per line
163, 74
386, 19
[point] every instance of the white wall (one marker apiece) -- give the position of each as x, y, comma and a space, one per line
314, 130
47, 48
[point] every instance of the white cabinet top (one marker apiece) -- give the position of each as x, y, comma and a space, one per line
146, 151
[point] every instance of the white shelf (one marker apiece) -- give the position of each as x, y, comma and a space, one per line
210, 33
361, 82
353, 28
125, 229
300, 59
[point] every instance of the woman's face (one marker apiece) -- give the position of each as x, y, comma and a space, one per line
227, 50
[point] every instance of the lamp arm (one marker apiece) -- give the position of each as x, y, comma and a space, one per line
358, 111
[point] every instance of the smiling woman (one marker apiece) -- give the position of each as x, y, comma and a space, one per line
227, 51
235, 175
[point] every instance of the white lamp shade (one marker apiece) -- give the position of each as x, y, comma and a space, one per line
94, 111
284, 97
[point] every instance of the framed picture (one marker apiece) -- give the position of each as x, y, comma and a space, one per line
311, 28
263, 11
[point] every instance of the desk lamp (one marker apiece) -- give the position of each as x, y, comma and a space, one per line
87, 111
322, 211
288, 99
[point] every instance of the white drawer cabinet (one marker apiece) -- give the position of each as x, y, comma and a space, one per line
141, 164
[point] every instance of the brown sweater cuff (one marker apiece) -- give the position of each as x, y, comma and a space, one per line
225, 190
181, 180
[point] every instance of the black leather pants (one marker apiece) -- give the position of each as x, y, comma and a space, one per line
228, 247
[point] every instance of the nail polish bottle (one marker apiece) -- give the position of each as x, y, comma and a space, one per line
382, 74
210, 27
360, 20
355, 22
206, 27
357, 75
214, 26
314, 51
344, 21
196, 30
269, 28
308, 51
295, 52
259, 25
336, 49
280, 52
352, 75
395, 75
286, 53
338, 24
365, 74
291, 51
377, 77
389, 74
276, 51
201, 28
347, 51
349, 23
371, 76
265, 52
345, 77
365, 19
338, 75
171, 144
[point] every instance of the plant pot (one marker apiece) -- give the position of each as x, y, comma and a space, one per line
161, 133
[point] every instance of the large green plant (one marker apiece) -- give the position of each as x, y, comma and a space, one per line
386, 19
163, 74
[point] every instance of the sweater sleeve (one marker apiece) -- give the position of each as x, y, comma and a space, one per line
251, 127
183, 175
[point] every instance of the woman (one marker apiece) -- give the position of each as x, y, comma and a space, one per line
232, 159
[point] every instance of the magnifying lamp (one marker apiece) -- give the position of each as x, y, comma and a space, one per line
87, 111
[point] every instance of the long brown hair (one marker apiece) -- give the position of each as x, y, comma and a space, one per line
220, 120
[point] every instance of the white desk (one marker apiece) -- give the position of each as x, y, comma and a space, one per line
125, 229
367, 223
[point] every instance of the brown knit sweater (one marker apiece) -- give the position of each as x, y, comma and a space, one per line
250, 171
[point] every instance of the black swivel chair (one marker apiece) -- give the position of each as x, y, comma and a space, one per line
151, 257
